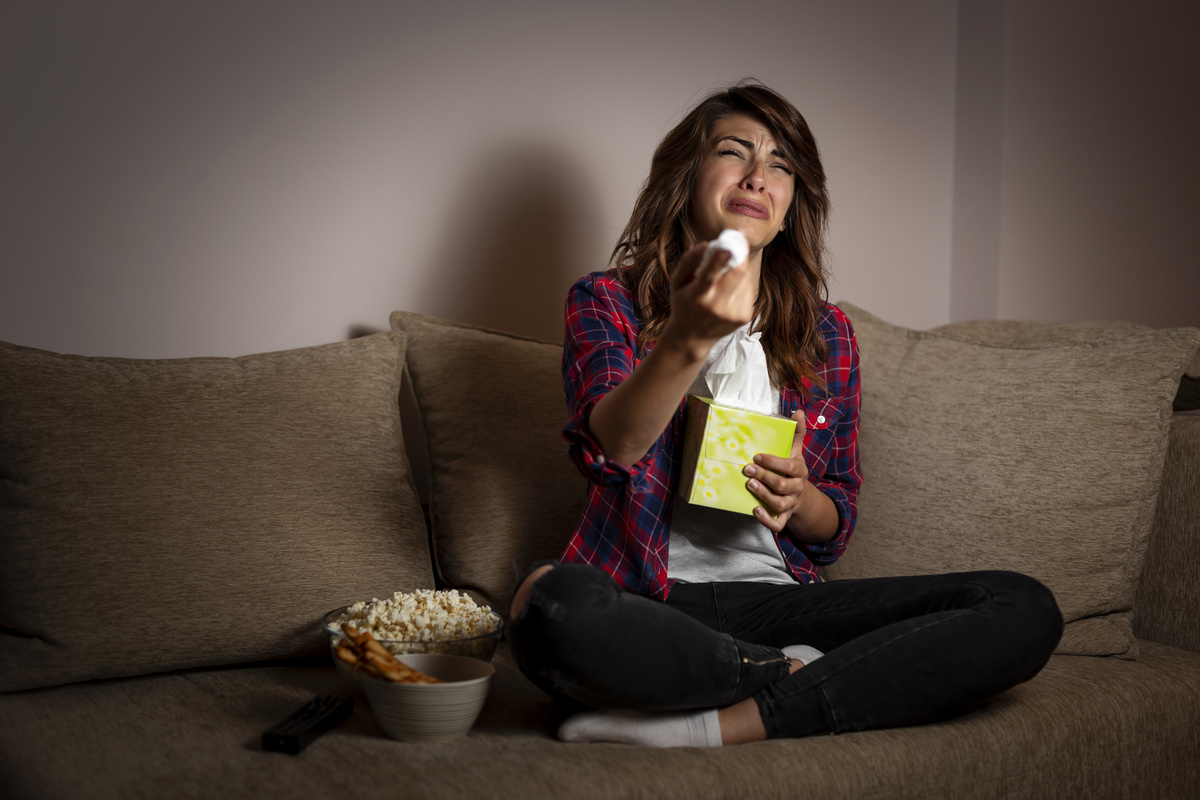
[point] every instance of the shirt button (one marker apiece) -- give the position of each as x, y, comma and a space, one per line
600, 459
821, 419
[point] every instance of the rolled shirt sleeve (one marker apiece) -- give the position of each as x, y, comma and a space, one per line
600, 352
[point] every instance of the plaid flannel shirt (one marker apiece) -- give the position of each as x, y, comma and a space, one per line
625, 525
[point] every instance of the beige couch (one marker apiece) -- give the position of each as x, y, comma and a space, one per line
170, 532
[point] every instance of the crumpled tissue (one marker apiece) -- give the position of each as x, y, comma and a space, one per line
738, 376
733, 241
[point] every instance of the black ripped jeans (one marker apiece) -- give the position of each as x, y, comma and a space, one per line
899, 651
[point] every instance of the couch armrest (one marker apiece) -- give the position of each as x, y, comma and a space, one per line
1169, 592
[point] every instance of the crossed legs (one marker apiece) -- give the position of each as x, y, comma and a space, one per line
900, 650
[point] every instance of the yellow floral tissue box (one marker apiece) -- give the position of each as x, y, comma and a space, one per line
719, 441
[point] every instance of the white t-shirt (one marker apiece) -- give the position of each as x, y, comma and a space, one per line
710, 544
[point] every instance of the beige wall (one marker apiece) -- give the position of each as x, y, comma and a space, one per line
233, 177
978, 160
1101, 211
228, 177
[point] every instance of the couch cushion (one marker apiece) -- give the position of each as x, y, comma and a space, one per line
1168, 595
175, 513
503, 492
1084, 727
1025, 446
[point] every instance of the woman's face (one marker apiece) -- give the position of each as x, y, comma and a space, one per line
743, 182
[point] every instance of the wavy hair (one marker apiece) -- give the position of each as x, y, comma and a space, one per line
660, 230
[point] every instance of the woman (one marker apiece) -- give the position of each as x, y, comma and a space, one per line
682, 625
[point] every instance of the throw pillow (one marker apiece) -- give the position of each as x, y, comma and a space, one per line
1024, 446
503, 492
167, 514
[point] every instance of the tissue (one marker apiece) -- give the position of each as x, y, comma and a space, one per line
738, 376
731, 241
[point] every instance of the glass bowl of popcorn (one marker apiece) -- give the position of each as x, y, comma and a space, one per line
420, 622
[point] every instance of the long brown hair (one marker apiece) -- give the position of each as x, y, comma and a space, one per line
660, 230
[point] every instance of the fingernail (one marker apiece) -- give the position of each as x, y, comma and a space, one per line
750, 470
754, 484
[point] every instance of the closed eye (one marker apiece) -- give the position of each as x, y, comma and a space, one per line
734, 146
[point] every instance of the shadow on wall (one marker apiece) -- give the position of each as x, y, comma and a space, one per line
521, 230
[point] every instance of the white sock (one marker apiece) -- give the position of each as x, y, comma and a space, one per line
803, 653
667, 729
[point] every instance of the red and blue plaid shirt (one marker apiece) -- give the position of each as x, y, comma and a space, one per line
626, 523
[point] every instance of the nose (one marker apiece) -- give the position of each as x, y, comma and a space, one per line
756, 178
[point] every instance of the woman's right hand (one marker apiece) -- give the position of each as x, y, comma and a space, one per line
708, 300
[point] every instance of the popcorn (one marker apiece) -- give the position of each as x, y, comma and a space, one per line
426, 615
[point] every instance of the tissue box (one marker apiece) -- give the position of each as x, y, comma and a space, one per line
719, 442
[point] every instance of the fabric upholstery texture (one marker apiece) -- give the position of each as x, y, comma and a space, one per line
1029, 333
164, 514
1035, 448
1084, 727
1168, 594
503, 493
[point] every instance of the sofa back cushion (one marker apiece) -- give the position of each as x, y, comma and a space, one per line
503, 492
167, 514
1026, 446
1168, 594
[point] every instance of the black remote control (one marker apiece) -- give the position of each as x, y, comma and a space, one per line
308, 722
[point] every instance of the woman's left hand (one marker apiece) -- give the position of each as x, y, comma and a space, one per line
787, 495
781, 484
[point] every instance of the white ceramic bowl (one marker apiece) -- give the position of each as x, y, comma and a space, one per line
431, 712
